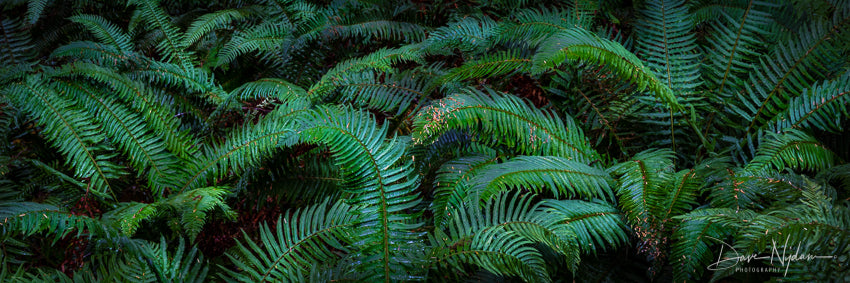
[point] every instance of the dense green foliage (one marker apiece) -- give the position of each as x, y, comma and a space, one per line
402, 140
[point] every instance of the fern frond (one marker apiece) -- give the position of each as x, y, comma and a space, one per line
793, 66
534, 25
563, 177
170, 46
667, 42
382, 92
34, 10
75, 134
490, 65
303, 239
503, 119
581, 45
105, 31
501, 252
792, 149
691, 250
98, 53
381, 60
15, 46
379, 29
244, 147
382, 181
207, 23
598, 225
452, 183
141, 99
264, 37
179, 266
196, 80
512, 214
642, 184
129, 132
28, 218
468, 34
735, 43
820, 106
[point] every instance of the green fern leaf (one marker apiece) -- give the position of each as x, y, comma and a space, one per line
563, 177
305, 238
792, 149
503, 119
579, 44
598, 226
75, 135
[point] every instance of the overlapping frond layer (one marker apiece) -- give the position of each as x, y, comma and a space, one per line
562, 177
735, 44
598, 225
105, 31
691, 251
452, 183
74, 133
382, 179
641, 186
500, 119
822, 106
245, 147
207, 23
668, 45
378, 61
522, 222
577, 44
15, 46
387, 92
170, 47
531, 26
490, 65
129, 133
467, 34
792, 149
301, 240
792, 67
268, 36
140, 98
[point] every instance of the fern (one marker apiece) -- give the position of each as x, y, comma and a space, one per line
579, 44
309, 237
537, 133
75, 134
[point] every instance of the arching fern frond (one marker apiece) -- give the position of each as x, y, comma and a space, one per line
598, 226
382, 180
506, 214
580, 45
142, 99
563, 177
820, 106
503, 119
268, 36
792, 149
468, 34
75, 134
244, 147
105, 31
452, 183
207, 23
381, 60
129, 132
490, 65
301, 240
